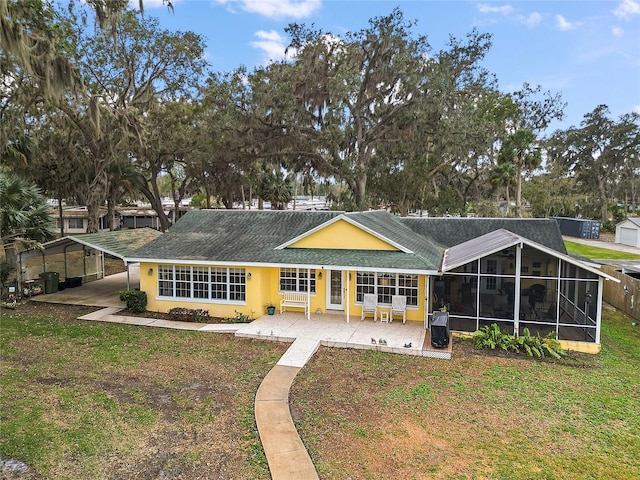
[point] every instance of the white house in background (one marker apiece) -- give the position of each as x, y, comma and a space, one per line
628, 232
76, 219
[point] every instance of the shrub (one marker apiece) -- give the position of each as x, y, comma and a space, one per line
5, 270
135, 300
492, 338
181, 314
239, 318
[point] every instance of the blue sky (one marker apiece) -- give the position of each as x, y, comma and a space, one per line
587, 50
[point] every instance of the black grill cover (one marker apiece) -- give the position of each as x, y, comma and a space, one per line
440, 329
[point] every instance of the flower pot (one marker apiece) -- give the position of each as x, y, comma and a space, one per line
271, 310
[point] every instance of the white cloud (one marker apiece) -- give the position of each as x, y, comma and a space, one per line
564, 24
627, 8
275, 8
532, 19
504, 9
617, 31
271, 43
636, 109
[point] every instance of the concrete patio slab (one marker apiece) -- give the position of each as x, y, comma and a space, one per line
334, 331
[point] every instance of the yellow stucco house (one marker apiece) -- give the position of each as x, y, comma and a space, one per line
515, 272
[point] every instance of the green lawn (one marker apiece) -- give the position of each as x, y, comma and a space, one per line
104, 401
588, 251
86, 400
478, 416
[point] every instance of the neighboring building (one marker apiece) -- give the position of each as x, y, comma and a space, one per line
139, 217
514, 272
76, 220
628, 232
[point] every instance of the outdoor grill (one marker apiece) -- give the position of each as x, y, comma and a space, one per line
440, 329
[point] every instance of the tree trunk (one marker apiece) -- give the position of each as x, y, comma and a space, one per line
360, 192
519, 190
604, 211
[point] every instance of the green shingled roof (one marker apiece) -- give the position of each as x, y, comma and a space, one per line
448, 232
252, 237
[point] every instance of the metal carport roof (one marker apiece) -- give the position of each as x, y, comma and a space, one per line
119, 243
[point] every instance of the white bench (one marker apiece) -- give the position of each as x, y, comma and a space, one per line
295, 300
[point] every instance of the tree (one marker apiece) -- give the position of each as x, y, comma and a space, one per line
599, 154
278, 189
125, 77
521, 150
24, 215
353, 91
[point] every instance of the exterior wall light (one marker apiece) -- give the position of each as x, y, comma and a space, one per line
249, 276
150, 272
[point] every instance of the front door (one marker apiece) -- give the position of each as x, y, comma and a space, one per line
334, 290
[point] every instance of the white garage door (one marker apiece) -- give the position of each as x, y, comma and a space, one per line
629, 236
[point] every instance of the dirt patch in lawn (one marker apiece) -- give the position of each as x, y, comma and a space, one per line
110, 401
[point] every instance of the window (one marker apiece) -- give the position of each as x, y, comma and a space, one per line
295, 280
183, 282
165, 281
214, 283
76, 223
408, 286
201, 282
236, 284
385, 285
365, 283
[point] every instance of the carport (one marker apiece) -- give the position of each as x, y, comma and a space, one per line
119, 244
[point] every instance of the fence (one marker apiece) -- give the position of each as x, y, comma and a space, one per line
625, 295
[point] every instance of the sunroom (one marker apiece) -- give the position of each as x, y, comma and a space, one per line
506, 279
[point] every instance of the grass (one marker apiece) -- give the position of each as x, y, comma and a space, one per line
90, 400
591, 252
93, 401
477, 416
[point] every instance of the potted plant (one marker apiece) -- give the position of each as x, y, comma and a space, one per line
271, 308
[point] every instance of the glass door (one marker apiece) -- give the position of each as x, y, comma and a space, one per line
334, 290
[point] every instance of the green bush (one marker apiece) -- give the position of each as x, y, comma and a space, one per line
239, 318
492, 338
135, 300
5, 270
181, 314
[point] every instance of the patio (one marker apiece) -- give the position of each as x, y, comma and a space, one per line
331, 330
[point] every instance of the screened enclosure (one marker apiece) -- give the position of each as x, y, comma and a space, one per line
521, 287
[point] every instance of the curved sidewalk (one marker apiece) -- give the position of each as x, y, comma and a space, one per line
287, 456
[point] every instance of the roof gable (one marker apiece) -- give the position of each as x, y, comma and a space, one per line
470, 250
492, 242
344, 234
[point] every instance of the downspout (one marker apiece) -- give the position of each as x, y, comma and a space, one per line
347, 275
517, 289
478, 288
84, 263
128, 280
64, 253
427, 300
308, 294
599, 309
558, 290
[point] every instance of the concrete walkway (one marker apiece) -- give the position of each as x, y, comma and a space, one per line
287, 457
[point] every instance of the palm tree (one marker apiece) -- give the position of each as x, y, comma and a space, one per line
278, 189
23, 215
502, 175
519, 149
